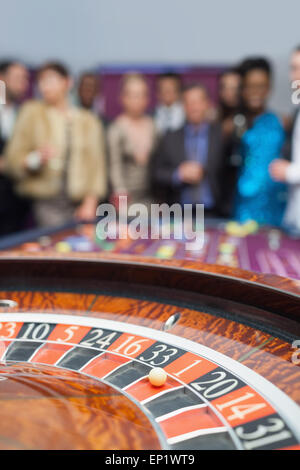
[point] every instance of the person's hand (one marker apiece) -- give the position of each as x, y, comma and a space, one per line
47, 152
87, 209
190, 172
38, 158
278, 169
228, 126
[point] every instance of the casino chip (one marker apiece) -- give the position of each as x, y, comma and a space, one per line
241, 230
63, 247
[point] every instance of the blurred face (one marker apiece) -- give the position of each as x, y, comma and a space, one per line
229, 91
16, 79
135, 97
196, 105
88, 90
256, 88
53, 87
295, 67
168, 91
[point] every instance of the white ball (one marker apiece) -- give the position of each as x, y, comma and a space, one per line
157, 377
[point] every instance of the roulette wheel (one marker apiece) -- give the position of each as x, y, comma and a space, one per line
80, 334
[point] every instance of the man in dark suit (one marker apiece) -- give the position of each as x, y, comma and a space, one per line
187, 163
13, 209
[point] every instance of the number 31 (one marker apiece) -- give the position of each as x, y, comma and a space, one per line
296, 354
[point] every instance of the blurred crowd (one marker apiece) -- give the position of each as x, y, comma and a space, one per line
59, 159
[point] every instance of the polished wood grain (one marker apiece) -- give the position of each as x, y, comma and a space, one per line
48, 409
268, 356
272, 293
250, 318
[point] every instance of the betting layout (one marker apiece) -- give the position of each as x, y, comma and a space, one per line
265, 250
207, 396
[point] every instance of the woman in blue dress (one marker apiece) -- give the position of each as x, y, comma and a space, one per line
258, 196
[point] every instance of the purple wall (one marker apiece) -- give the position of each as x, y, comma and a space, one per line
111, 77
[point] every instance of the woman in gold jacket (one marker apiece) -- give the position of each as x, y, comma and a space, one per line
56, 154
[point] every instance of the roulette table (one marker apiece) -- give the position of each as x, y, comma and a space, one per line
268, 250
80, 331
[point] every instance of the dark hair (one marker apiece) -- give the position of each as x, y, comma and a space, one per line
171, 76
6, 64
87, 74
296, 49
57, 67
195, 86
255, 63
230, 71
